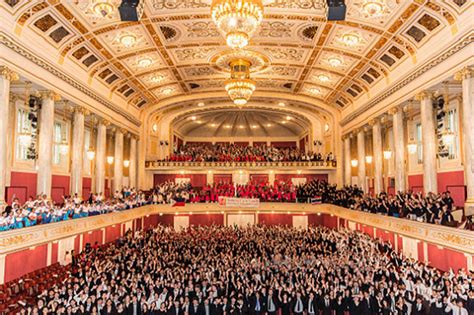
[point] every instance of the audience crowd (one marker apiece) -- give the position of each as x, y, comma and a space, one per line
237, 153
254, 270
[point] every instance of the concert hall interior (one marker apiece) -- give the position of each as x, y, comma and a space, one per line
237, 157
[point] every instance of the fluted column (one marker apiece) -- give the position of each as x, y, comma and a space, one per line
399, 149
428, 126
118, 160
45, 142
467, 77
6, 76
77, 154
100, 156
347, 161
361, 174
378, 155
133, 162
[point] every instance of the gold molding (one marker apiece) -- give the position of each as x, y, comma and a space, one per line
50, 95
9, 74
423, 95
464, 73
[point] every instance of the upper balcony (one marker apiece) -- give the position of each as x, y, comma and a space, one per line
196, 166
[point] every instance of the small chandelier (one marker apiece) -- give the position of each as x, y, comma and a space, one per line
387, 154
110, 159
350, 39
237, 20
240, 87
373, 8
63, 147
369, 159
90, 154
24, 138
448, 136
412, 146
128, 40
354, 163
323, 78
334, 61
103, 8
126, 163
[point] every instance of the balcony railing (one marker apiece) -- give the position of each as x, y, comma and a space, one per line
152, 165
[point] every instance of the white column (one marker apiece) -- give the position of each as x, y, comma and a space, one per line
100, 156
399, 149
347, 161
467, 77
378, 155
77, 154
361, 157
118, 160
45, 143
6, 76
428, 127
132, 175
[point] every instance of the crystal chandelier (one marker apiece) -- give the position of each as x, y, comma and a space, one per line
63, 147
350, 39
373, 8
90, 154
387, 154
237, 19
240, 87
354, 163
103, 8
24, 138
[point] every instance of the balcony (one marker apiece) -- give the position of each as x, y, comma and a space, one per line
195, 166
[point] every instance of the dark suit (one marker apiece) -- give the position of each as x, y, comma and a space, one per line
325, 306
297, 306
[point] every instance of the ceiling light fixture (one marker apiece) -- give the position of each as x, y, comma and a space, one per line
128, 40
110, 160
126, 163
334, 61
315, 90
237, 20
200, 104
240, 87
193, 118
323, 78
103, 8
281, 104
157, 78
288, 117
351, 39
373, 8
354, 163
145, 62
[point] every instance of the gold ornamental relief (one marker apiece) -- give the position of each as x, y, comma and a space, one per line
455, 239
15, 240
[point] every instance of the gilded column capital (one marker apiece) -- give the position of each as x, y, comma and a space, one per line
50, 95
464, 73
8, 74
374, 121
102, 121
423, 95
122, 130
81, 110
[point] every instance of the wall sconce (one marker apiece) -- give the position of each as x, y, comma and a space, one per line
126, 163
90, 154
387, 154
354, 163
110, 160
369, 159
412, 147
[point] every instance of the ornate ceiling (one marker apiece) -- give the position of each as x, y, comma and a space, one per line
178, 50
247, 122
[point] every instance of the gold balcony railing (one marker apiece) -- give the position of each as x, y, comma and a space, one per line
323, 165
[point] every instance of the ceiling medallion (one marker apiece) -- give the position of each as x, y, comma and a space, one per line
373, 8
323, 78
334, 61
258, 61
157, 78
240, 87
103, 8
315, 90
350, 39
145, 62
128, 40
237, 20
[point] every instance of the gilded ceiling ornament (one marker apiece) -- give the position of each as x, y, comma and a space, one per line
189, 54
276, 29
292, 54
178, 4
282, 71
201, 29
199, 71
298, 4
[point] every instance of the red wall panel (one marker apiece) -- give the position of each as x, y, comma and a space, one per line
91, 238
259, 143
329, 221
26, 261
415, 183
259, 178
22, 185
222, 178
454, 182
444, 259
309, 177
284, 144
314, 219
112, 233
302, 144
150, 221
54, 253
166, 219
241, 143
275, 219
421, 252
197, 180
86, 187
206, 219
59, 188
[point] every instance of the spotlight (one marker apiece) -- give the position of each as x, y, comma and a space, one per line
129, 10
336, 10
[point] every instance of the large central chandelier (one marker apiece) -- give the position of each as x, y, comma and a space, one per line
240, 87
237, 19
